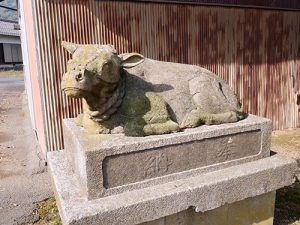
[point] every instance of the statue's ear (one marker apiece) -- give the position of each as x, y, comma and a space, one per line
70, 47
129, 60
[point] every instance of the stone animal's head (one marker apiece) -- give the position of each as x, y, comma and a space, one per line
94, 67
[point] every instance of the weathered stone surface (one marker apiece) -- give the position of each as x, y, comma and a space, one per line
137, 166
201, 192
144, 96
258, 210
110, 164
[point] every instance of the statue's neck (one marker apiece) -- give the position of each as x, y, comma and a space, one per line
103, 105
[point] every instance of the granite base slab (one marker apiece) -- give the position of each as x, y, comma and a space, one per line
111, 164
201, 192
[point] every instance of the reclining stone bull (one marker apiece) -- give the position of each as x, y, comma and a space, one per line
140, 96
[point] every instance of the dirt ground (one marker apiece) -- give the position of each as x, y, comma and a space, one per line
287, 142
287, 211
23, 181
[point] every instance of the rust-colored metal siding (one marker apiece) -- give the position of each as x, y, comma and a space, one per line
257, 51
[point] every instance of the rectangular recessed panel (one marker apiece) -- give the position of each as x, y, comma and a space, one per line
138, 166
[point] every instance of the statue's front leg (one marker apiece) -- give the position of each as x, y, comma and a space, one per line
93, 126
161, 128
158, 119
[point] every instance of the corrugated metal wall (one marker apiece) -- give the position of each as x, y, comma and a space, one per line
257, 51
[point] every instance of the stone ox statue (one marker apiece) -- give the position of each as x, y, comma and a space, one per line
140, 96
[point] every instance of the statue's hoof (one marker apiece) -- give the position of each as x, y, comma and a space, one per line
118, 130
102, 131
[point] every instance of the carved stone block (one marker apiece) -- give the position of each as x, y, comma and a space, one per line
114, 163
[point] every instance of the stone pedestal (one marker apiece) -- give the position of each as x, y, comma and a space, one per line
258, 210
210, 173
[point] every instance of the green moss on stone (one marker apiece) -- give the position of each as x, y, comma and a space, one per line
134, 127
145, 113
135, 104
158, 112
161, 128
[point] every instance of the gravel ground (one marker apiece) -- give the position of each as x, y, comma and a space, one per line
287, 210
287, 142
23, 181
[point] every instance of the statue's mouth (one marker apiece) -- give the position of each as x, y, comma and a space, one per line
74, 92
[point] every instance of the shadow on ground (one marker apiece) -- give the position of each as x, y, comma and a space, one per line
287, 208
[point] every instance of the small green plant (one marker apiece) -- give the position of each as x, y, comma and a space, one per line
46, 213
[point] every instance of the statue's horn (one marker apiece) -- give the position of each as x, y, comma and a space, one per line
70, 47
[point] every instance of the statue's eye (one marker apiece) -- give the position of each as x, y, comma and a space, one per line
105, 65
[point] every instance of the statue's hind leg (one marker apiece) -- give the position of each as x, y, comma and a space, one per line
197, 117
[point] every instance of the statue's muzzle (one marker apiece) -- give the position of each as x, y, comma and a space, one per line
69, 84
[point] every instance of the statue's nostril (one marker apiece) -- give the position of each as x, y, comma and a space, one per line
78, 77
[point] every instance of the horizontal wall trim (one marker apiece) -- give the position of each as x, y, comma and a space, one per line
273, 5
